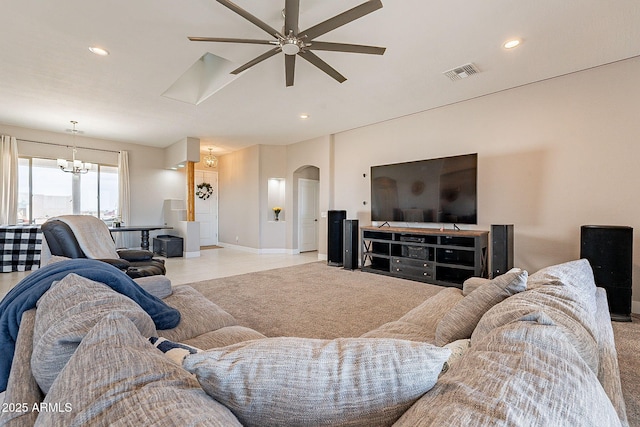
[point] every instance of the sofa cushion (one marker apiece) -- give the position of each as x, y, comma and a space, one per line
462, 319
127, 382
419, 324
64, 315
523, 373
458, 349
157, 285
473, 283
299, 381
223, 337
199, 315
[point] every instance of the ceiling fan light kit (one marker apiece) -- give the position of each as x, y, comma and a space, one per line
293, 42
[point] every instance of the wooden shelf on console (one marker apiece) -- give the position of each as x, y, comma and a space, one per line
428, 255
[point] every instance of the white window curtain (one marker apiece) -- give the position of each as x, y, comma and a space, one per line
124, 199
8, 180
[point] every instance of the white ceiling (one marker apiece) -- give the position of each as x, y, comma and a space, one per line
48, 76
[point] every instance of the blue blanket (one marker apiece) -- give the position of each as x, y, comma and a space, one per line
26, 293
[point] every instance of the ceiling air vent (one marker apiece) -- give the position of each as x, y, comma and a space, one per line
461, 72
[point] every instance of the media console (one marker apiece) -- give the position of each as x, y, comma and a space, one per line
428, 255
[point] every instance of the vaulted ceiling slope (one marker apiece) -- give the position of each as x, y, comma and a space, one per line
49, 77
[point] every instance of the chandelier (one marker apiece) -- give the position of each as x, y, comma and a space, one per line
74, 166
210, 160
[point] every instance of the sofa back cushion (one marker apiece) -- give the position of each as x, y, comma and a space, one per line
523, 373
576, 275
559, 306
199, 315
125, 381
462, 319
420, 323
64, 315
298, 381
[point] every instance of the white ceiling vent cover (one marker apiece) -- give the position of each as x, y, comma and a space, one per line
461, 72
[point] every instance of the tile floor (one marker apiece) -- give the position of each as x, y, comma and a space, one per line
211, 264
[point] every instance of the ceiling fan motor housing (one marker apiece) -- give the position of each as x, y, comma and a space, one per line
291, 45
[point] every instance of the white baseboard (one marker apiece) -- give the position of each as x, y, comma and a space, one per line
635, 307
239, 248
272, 251
321, 257
193, 254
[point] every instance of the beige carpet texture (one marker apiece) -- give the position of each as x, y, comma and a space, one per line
317, 301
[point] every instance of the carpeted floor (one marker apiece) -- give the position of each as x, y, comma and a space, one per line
314, 300
318, 301
627, 336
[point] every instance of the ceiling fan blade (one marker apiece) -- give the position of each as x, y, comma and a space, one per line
257, 60
341, 19
289, 68
249, 17
344, 47
228, 40
291, 14
315, 60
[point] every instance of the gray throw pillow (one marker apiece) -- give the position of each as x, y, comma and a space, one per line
462, 319
64, 315
117, 378
300, 381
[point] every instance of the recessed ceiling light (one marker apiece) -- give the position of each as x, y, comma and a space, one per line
510, 44
99, 51
304, 116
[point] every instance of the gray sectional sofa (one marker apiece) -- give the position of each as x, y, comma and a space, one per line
517, 350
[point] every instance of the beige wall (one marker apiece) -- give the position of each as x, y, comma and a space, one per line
552, 156
273, 164
239, 201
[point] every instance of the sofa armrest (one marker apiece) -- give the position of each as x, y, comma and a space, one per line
134, 255
121, 264
609, 369
22, 387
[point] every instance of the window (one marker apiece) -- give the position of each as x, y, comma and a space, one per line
46, 192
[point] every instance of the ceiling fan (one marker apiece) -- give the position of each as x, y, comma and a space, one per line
293, 42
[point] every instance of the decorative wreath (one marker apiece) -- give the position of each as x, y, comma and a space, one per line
205, 190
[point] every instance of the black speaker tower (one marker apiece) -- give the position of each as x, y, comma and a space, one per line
335, 251
351, 240
609, 250
501, 249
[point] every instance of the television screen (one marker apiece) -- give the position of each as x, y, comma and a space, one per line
440, 190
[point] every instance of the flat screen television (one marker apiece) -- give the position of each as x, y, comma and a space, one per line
442, 190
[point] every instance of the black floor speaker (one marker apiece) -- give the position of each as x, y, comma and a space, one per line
501, 249
351, 243
609, 250
335, 250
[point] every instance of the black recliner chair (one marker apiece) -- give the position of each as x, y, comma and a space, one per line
135, 263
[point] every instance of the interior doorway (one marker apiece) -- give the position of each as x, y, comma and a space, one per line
308, 213
207, 207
